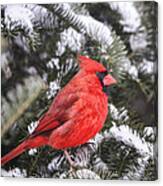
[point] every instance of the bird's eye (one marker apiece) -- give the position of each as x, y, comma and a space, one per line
101, 75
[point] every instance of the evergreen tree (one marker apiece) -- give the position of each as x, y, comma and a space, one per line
39, 48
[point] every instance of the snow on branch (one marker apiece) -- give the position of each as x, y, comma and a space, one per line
131, 138
43, 18
71, 39
109, 42
16, 172
17, 16
84, 24
131, 20
135, 168
19, 19
79, 26
85, 174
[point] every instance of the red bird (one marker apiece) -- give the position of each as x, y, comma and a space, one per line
76, 114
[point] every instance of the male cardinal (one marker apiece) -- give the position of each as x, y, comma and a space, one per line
76, 114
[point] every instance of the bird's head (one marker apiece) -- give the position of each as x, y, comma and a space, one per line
92, 66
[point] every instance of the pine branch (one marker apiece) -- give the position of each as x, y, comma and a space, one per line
132, 139
108, 40
137, 172
18, 20
84, 174
16, 172
100, 167
129, 145
81, 23
44, 19
70, 39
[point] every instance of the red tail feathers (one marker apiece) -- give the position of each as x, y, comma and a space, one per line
14, 153
27, 144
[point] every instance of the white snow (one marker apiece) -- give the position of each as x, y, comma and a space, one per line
32, 126
149, 132
16, 172
146, 66
138, 41
87, 174
114, 111
55, 163
53, 62
70, 38
133, 71
116, 114
32, 152
131, 138
19, 15
130, 16
97, 31
53, 88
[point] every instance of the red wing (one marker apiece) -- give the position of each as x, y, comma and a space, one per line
57, 113
46, 123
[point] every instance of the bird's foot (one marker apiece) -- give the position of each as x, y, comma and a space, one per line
73, 164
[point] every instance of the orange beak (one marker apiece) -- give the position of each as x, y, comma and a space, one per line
109, 80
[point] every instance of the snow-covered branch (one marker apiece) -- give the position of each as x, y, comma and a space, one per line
131, 138
131, 20
84, 24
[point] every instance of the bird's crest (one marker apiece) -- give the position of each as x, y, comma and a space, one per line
90, 65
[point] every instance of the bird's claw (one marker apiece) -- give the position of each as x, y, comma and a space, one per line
73, 165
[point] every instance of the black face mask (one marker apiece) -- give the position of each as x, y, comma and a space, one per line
101, 76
